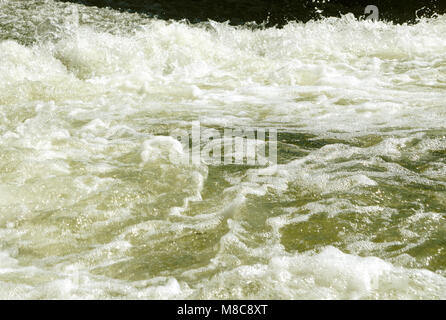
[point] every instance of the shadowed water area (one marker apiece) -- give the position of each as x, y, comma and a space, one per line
273, 12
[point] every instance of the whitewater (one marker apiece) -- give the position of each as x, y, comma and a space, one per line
92, 206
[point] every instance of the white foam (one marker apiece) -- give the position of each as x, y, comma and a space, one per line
330, 274
90, 176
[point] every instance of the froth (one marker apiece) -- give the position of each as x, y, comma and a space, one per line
97, 201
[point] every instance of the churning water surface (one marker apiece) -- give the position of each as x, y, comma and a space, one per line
91, 206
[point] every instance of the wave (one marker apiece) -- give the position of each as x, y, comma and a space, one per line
91, 100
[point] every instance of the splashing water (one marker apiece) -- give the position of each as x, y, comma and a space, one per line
92, 208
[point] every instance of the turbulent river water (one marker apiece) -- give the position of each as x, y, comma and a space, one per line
92, 206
